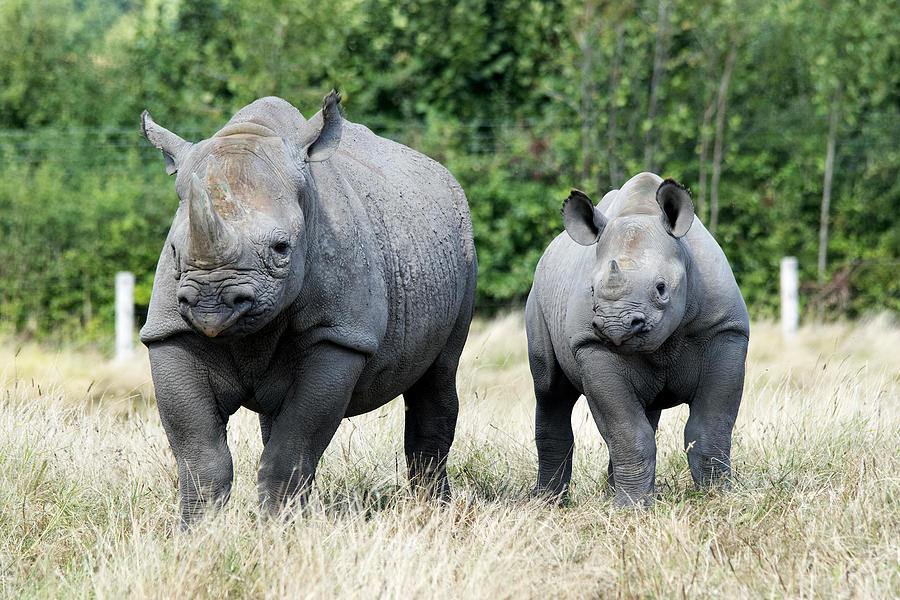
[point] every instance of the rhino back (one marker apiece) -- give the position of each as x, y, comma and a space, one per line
414, 215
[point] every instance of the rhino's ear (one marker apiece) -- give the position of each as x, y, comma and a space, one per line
321, 135
583, 222
677, 207
172, 146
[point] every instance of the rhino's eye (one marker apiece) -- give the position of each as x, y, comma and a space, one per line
281, 248
279, 256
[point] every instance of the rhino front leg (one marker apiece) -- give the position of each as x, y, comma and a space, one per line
628, 433
265, 427
653, 418
714, 409
305, 424
195, 427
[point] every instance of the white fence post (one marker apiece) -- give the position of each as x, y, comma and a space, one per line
790, 308
124, 314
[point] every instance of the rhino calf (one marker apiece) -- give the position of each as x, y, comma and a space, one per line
636, 308
313, 271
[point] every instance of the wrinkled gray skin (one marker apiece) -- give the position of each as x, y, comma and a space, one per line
636, 308
314, 271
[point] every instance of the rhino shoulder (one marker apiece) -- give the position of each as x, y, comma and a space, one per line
163, 318
559, 269
717, 296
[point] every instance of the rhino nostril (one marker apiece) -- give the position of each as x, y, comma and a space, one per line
187, 297
638, 323
240, 299
243, 305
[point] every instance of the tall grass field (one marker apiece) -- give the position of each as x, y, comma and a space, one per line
88, 504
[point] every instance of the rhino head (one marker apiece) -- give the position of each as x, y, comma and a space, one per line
239, 239
638, 270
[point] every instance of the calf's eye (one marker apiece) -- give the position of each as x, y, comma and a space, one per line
281, 248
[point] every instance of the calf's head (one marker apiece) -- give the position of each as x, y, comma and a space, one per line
638, 272
238, 242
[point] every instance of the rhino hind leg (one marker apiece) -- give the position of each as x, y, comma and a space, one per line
555, 397
714, 409
432, 406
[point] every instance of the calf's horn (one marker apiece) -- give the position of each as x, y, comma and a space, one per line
616, 279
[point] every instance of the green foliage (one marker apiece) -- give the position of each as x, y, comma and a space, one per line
522, 100
67, 228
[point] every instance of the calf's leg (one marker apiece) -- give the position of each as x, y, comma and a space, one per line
555, 397
653, 418
714, 409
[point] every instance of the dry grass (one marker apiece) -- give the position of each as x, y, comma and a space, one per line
88, 503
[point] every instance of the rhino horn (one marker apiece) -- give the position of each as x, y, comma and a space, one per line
616, 279
211, 238
222, 199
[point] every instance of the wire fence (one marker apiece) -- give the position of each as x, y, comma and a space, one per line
89, 146
112, 146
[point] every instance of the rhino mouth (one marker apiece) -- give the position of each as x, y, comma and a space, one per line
626, 331
213, 324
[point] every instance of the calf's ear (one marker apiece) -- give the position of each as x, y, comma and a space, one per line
677, 207
321, 135
583, 222
171, 146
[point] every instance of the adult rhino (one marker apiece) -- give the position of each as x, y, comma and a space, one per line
636, 308
313, 271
